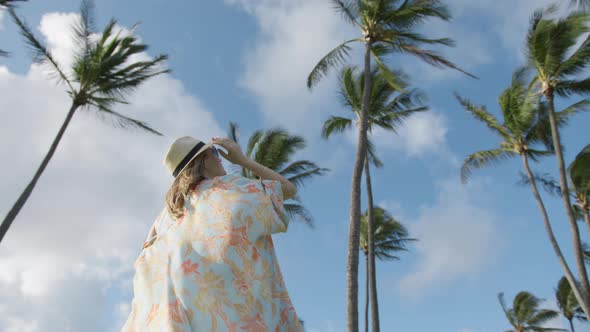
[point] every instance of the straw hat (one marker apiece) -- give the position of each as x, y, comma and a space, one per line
182, 152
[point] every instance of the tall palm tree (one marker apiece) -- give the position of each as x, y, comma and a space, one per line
552, 53
4, 4
102, 74
391, 236
274, 149
388, 109
525, 314
567, 303
386, 27
525, 124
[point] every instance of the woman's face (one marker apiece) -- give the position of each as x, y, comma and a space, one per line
213, 166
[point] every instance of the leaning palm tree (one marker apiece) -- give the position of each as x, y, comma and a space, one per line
388, 109
391, 237
386, 27
525, 314
274, 149
526, 124
102, 74
4, 4
567, 303
553, 54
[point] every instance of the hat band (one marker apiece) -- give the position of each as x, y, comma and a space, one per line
187, 158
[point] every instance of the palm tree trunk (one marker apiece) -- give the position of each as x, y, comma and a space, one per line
568, 206
367, 294
371, 249
552, 239
572, 324
29, 189
352, 261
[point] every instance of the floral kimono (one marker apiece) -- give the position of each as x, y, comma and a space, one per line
215, 268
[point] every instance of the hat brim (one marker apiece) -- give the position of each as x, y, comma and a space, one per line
205, 147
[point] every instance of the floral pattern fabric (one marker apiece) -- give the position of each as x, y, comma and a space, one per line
215, 268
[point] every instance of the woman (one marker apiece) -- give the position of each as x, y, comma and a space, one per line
209, 264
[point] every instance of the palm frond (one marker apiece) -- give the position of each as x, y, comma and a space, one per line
40, 53
335, 124
536, 39
482, 159
393, 120
349, 11
298, 210
350, 91
233, 131
411, 13
393, 81
84, 26
300, 178
567, 88
253, 142
480, 113
550, 185
577, 62
298, 167
121, 120
333, 59
372, 155
9, 3
430, 57
509, 313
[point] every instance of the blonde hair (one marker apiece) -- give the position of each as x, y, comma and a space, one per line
184, 183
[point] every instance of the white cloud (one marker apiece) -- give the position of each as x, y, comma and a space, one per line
292, 38
75, 240
454, 226
421, 133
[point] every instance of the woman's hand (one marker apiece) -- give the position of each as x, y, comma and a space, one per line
234, 152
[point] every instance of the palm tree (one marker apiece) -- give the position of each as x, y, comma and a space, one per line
550, 52
525, 124
525, 314
103, 73
567, 303
387, 110
391, 236
4, 4
386, 27
274, 149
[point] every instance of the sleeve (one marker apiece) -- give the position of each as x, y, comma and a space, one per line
272, 198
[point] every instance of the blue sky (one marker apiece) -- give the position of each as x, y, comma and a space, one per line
69, 254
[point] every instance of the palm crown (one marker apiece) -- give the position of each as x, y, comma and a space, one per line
525, 314
388, 108
525, 124
103, 71
390, 235
274, 149
553, 58
567, 302
389, 26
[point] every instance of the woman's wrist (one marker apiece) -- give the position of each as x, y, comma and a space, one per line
244, 162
